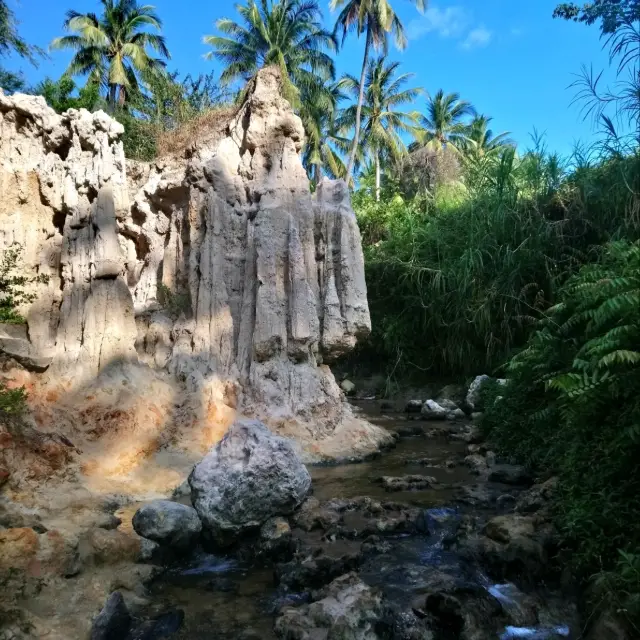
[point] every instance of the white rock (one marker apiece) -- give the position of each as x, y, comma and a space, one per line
348, 387
431, 410
473, 395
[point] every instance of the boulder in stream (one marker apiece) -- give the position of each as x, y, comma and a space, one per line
168, 523
251, 475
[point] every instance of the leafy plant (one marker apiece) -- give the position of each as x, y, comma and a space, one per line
12, 285
175, 303
12, 296
573, 406
60, 94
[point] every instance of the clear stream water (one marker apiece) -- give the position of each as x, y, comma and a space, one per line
224, 599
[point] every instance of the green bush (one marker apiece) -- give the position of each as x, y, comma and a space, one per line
572, 406
456, 282
12, 295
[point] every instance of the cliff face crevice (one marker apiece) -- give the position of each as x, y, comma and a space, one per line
217, 272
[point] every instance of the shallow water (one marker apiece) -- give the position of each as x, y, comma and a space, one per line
224, 599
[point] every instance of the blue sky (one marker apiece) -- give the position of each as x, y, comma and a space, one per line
508, 57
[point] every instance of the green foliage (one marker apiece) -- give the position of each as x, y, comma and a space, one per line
175, 303
458, 278
140, 136
59, 94
382, 121
10, 39
12, 401
572, 405
12, 293
611, 13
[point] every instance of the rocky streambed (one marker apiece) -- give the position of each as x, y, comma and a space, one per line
435, 539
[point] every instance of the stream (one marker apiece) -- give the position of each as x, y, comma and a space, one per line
227, 598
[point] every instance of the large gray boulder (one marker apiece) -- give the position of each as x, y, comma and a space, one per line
251, 475
168, 523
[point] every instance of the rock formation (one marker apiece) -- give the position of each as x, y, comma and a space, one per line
177, 293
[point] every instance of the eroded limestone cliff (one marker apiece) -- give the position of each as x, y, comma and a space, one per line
180, 292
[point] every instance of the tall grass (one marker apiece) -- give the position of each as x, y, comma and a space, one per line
456, 281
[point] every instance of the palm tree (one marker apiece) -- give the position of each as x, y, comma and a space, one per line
112, 50
381, 122
287, 33
324, 144
375, 18
480, 139
444, 124
484, 153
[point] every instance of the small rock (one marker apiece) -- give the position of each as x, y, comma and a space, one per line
314, 573
114, 621
406, 483
537, 497
4, 476
477, 448
347, 608
447, 404
507, 528
348, 387
183, 490
476, 462
149, 550
111, 547
312, 516
491, 458
275, 541
510, 474
409, 431
413, 406
456, 414
431, 410
168, 523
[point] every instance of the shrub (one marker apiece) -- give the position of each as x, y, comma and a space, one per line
12, 295
573, 406
457, 281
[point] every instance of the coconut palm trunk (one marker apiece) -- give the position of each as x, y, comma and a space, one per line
377, 175
356, 135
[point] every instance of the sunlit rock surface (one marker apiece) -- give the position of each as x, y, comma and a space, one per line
179, 293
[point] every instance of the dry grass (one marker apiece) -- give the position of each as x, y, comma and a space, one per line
205, 127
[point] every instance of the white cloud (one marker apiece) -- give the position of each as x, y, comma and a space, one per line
450, 22
478, 37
